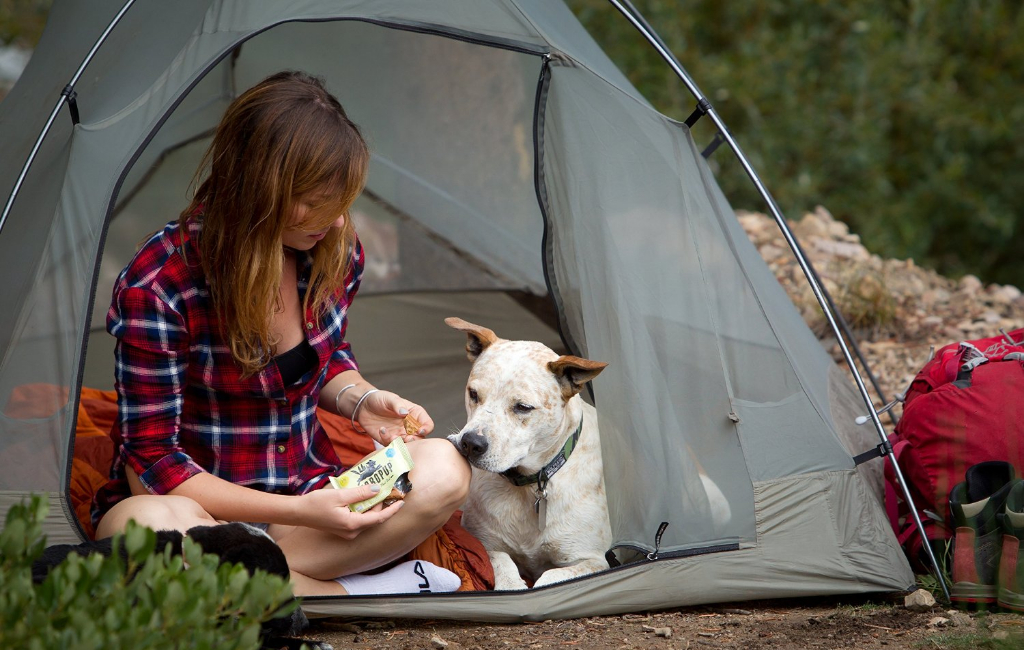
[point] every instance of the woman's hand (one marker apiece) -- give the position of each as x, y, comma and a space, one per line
327, 509
382, 413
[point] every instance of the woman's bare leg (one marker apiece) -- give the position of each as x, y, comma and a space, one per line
440, 483
165, 512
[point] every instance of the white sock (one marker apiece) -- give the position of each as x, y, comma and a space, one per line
412, 577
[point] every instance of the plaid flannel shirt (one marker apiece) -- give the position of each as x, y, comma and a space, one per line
183, 407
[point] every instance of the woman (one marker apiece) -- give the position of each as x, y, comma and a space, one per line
230, 329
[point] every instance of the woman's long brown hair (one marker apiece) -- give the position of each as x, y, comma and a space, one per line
284, 140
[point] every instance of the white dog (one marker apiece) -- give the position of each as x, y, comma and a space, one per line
537, 500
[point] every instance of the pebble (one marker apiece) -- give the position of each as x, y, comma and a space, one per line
970, 284
919, 601
1004, 294
438, 642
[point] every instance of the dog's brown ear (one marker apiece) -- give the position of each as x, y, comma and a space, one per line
573, 372
479, 338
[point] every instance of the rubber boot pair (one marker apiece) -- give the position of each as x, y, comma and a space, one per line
988, 513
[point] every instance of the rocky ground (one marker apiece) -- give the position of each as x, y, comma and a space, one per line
899, 312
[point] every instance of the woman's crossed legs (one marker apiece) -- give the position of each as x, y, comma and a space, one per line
440, 482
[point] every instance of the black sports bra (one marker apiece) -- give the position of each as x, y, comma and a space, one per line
295, 363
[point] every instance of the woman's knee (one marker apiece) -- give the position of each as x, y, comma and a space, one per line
159, 512
442, 471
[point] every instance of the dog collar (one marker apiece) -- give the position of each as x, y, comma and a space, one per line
544, 475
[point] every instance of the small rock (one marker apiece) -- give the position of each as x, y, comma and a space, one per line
771, 253
919, 601
938, 621
438, 642
812, 225
732, 610
841, 249
1005, 294
971, 326
664, 632
970, 284
1000, 635
932, 297
952, 333
960, 619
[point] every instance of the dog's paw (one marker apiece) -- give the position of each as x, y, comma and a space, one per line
506, 573
509, 583
552, 576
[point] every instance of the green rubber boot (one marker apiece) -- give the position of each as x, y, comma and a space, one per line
977, 545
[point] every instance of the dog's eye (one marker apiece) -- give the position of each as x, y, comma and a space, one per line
521, 408
473, 397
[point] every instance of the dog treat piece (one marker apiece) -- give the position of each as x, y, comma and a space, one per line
412, 426
385, 467
402, 487
396, 495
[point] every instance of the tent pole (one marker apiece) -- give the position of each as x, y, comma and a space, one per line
704, 106
67, 95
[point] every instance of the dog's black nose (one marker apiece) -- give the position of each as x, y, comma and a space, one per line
473, 444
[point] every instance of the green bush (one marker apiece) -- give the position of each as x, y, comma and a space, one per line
902, 118
22, 21
91, 602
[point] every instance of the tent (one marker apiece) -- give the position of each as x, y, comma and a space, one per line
519, 181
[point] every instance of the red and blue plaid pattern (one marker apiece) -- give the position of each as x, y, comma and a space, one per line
183, 407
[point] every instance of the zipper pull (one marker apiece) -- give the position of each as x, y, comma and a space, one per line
653, 555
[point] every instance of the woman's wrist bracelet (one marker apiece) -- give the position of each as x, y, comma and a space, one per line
337, 398
359, 404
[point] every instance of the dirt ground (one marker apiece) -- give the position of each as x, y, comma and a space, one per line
880, 621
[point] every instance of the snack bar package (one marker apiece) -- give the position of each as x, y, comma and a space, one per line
388, 467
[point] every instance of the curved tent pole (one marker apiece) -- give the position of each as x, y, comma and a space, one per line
66, 95
704, 108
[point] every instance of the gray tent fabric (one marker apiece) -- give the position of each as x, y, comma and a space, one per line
519, 181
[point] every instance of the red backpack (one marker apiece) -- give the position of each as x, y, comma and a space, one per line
965, 406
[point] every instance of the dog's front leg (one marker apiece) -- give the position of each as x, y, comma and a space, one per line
589, 565
506, 573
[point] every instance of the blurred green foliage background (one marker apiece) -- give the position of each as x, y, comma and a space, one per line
22, 21
905, 118
902, 117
